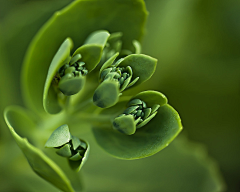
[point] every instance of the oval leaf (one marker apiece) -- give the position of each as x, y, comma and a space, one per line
40, 163
106, 95
148, 140
151, 98
91, 55
143, 66
99, 37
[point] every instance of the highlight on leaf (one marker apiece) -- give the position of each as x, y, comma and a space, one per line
69, 146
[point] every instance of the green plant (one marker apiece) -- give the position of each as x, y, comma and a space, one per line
85, 92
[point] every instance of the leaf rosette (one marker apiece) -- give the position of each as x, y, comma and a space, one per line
66, 74
129, 138
69, 146
126, 72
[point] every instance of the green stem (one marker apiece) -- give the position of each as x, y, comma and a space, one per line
91, 118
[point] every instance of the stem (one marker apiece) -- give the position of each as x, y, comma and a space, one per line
84, 105
91, 118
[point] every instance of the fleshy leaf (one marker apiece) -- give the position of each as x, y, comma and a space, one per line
108, 63
142, 108
69, 146
77, 21
106, 95
151, 98
40, 163
146, 141
76, 157
75, 142
91, 55
65, 151
77, 165
98, 38
59, 137
125, 124
137, 46
143, 66
71, 86
50, 97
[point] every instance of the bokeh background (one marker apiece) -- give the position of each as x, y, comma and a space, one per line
197, 44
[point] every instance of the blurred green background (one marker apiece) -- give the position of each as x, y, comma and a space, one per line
197, 44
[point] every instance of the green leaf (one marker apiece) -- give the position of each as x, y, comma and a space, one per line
140, 110
91, 55
151, 98
75, 164
137, 45
108, 63
50, 96
77, 21
183, 166
65, 151
143, 66
38, 161
148, 140
106, 95
59, 137
125, 124
71, 86
98, 38
75, 142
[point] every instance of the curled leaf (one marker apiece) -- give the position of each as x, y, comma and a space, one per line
59, 137
142, 108
39, 162
156, 132
50, 95
148, 140
143, 66
69, 146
